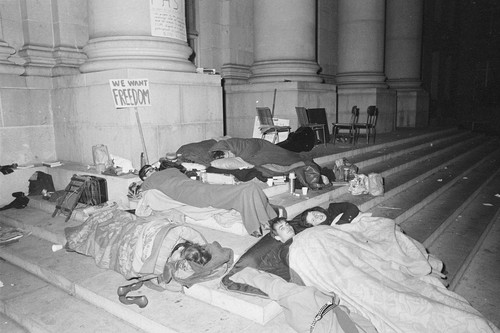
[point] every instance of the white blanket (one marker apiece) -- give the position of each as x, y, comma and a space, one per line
384, 275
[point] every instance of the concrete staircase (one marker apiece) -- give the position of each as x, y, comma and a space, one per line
441, 187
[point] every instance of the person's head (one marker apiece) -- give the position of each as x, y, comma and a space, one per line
280, 229
192, 252
313, 216
146, 171
216, 154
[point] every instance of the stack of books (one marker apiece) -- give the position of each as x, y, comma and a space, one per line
279, 180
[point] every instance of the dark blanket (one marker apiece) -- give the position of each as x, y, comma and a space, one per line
265, 255
197, 152
258, 151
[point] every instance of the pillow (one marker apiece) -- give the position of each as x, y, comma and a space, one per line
231, 163
193, 166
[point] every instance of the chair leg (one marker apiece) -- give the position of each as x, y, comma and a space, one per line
324, 135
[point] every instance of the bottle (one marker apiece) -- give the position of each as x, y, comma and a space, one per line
291, 177
143, 160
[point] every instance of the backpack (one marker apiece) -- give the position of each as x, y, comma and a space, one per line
303, 139
86, 189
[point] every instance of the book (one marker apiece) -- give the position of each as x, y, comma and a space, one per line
52, 164
26, 166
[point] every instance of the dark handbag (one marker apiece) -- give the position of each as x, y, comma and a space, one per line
40, 181
309, 176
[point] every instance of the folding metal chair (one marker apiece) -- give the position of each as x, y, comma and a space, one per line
267, 124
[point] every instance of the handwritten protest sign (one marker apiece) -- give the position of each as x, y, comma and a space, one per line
132, 93
129, 93
168, 19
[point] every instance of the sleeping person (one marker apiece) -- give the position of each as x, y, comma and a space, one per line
336, 213
247, 198
379, 273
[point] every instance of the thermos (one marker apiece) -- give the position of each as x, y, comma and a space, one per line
291, 177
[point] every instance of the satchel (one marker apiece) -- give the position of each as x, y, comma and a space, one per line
40, 181
86, 189
95, 191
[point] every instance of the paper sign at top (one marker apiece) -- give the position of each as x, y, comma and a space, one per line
129, 93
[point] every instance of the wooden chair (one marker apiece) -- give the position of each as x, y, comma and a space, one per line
319, 129
267, 124
370, 125
318, 116
349, 128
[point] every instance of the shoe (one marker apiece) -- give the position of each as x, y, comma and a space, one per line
256, 233
141, 301
124, 290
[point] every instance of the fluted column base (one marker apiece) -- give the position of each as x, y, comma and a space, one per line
140, 52
284, 70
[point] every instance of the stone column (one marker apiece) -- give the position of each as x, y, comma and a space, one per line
360, 77
403, 60
361, 43
121, 36
403, 43
284, 41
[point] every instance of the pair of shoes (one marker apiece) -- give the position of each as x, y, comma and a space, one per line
140, 301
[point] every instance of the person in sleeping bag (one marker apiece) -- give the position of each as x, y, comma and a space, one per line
246, 198
283, 231
336, 213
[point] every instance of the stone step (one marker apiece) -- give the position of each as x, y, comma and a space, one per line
167, 311
457, 243
51, 230
393, 162
8, 324
33, 305
480, 280
252, 312
412, 141
426, 224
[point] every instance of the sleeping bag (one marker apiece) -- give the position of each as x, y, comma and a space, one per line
136, 247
